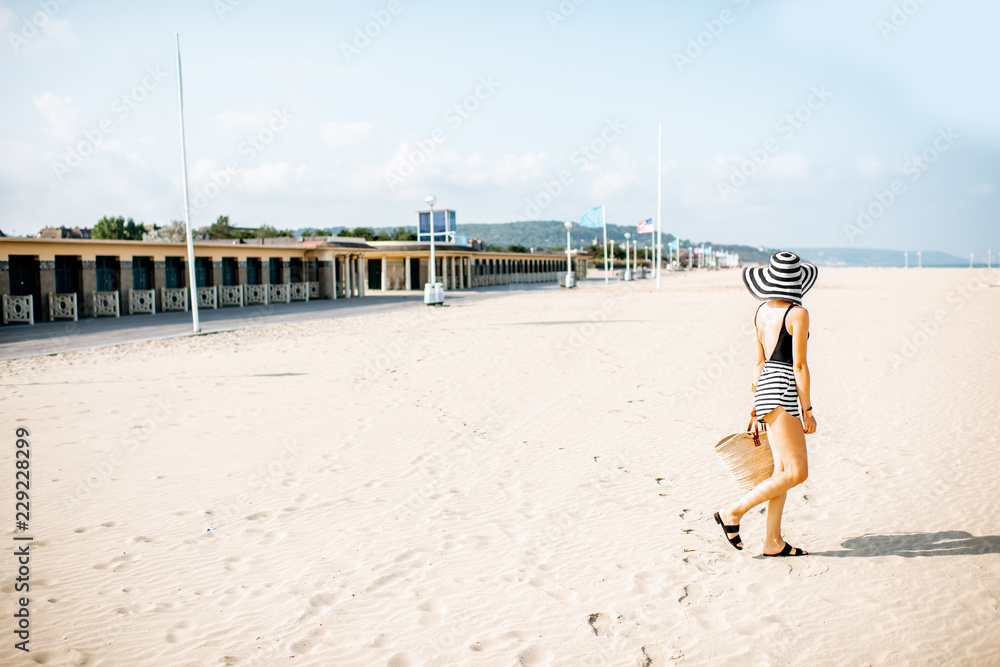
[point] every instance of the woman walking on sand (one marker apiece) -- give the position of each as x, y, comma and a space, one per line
781, 325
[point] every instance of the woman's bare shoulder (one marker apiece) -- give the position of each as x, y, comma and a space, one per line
798, 317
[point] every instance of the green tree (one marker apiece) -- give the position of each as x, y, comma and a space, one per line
269, 232
221, 229
117, 229
310, 231
403, 234
358, 233
517, 247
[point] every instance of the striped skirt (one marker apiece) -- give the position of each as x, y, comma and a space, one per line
776, 386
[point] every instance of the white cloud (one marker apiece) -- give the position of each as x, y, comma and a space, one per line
984, 189
615, 178
413, 167
61, 114
478, 169
869, 166
721, 166
338, 135
23, 162
786, 167
232, 123
244, 123
37, 32
270, 176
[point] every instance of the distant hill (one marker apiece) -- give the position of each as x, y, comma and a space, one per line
549, 234
541, 234
874, 257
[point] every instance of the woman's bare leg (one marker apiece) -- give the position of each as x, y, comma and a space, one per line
788, 445
773, 542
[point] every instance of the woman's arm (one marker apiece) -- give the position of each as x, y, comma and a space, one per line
759, 358
798, 320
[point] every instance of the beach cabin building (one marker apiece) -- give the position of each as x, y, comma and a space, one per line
44, 279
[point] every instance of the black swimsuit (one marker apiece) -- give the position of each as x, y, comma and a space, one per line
776, 385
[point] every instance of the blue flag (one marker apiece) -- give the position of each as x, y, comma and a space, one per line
593, 218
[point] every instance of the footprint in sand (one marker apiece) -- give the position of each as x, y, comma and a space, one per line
654, 655
602, 624
63, 656
234, 595
237, 564
535, 656
179, 633
120, 563
689, 595
698, 562
307, 644
434, 611
401, 660
647, 583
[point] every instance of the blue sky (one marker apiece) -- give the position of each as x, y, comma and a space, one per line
782, 122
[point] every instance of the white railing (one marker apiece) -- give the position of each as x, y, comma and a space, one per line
298, 291
313, 290
174, 298
230, 295
106, 304
256, 294
208, 297
18, 309
62, 306
278, 293
142, 301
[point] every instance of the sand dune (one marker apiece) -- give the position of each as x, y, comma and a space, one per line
523, 480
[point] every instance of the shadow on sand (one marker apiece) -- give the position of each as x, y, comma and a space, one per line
913, 545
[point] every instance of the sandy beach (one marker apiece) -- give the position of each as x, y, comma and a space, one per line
522, 480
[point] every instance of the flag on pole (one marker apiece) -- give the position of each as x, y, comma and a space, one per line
595, 218
645, 227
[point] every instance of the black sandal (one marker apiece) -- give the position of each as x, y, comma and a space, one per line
789, 550
735, 530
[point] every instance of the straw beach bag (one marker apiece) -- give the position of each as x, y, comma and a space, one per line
747, 456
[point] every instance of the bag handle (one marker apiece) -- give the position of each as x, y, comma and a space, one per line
756, 429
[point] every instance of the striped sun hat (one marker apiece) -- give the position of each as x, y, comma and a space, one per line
786, 277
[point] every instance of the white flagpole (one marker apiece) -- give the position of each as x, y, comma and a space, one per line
604, 222
659, 185
187, 206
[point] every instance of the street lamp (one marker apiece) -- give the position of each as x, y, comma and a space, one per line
635, 257
628, 271
433, 291
569, 269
